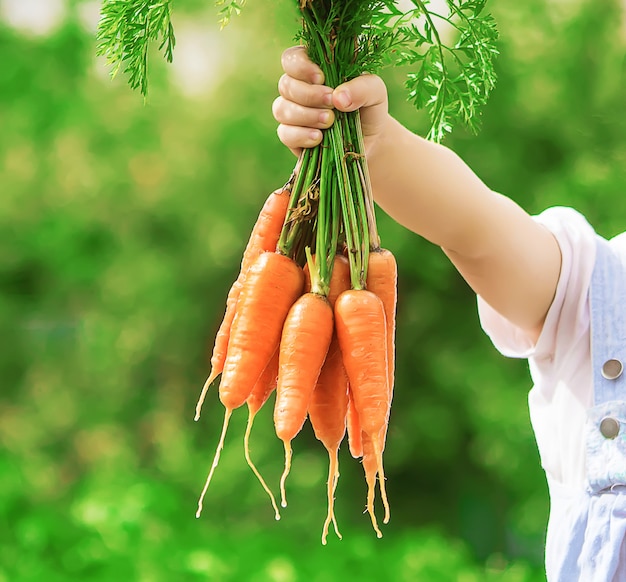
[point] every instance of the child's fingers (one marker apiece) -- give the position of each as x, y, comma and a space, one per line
290, 113
304, 93
297, 64
305, 105
296, 138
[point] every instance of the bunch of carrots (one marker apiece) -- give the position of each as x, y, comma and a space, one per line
311, 315
325, 346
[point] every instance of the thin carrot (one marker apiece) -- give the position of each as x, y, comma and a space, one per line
265, 385
271, 287
382, 280
361, 330
327, 413
304, 343
340, 282
264, 237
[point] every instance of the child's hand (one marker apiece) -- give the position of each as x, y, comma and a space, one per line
305, 105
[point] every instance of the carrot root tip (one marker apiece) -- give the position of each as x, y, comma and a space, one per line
216, 459
381, 479
205, 389
246, 449
288, 454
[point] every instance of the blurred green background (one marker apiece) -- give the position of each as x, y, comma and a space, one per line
121, 230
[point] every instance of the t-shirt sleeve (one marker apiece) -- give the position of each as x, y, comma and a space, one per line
568, 313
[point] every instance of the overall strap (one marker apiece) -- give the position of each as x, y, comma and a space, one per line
608, 324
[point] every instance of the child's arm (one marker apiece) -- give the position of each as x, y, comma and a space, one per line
507, 258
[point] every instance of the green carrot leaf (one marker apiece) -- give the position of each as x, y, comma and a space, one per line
125, 31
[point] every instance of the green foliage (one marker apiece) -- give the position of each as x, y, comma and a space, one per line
121, 229
228, 9
452, 82
127, 29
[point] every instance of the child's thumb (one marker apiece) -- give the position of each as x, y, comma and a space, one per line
364, 91
367, 92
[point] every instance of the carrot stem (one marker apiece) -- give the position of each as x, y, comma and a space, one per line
355, 156
324, 217
303, 195
365, 179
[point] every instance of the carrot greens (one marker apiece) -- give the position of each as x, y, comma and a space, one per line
126, 30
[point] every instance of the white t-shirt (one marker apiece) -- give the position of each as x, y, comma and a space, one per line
560, 361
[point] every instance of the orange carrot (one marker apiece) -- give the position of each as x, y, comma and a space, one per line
264, 237
340, 282
355, 440
340, 279
265, 385
327, 413
382, 277
303, 346
361, 330
272, 285
382, 280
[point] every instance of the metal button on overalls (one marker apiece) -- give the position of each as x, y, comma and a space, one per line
609, 427
612, 369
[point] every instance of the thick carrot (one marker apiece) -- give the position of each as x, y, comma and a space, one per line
355, 440
361, 330
271, 287
327, 413
264, 237
304, 343
265, 385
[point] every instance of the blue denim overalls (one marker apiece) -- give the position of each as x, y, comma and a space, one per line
587, 531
